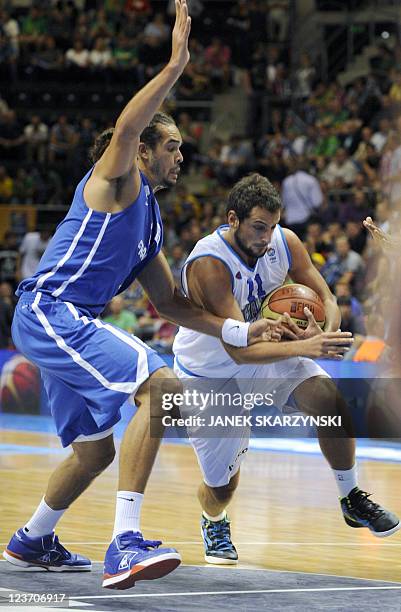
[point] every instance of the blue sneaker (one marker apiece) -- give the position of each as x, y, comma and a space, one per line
130, 558
360, 511
217, 541
46, 552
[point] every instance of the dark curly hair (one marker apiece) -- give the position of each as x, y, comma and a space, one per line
150, 136
253, 190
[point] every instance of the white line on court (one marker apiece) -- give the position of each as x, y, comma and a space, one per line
239, 543
247, 592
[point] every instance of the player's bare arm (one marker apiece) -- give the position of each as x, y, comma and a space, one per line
157, 280
304, 272
116, 172
209, 285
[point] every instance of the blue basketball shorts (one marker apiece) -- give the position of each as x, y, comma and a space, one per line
89, 368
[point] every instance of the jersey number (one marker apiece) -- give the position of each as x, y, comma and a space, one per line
251, 287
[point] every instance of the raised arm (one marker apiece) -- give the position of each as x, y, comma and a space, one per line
120, 156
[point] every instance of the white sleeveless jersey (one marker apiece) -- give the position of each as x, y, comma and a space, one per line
203, 355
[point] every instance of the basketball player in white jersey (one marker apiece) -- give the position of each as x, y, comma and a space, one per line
229, 273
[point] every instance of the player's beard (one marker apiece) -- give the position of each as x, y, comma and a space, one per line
162, 179
249, 252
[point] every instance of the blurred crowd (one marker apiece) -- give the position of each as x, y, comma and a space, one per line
333, 151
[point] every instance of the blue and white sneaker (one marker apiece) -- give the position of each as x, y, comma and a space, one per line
130, 558
46, 552
219, 548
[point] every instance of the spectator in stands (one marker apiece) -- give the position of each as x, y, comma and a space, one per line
12, 137
217, 58
356, 236
176, 260
77, 56
125, 57
302, 197
36, 136
102, 26
31, 250
59, 27
190, 134
305, 75
9, 260
349, 322
24, 188
192, 84
158, 29
63, 140
33, 28
120, 316
236, 159
140, 9
186, 205
341, 168
345, 265
100, 57
11, 30
356, 208
6, 186
380, 136
48, 59
343, 289
255, 84
82, 29
327, 142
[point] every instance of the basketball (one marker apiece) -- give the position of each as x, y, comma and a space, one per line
293, 299
20, 386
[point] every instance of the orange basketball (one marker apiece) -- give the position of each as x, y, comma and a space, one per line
293, 299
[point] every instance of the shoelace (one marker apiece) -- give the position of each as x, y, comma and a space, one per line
361, 502
219, 533
59, 549
126, 540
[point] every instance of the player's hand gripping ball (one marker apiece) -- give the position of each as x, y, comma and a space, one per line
293, 299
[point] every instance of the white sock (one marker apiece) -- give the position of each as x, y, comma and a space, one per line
128, 512
214, 519
346, 480
43, 520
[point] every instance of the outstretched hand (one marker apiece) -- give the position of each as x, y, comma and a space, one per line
180, 53
386, 242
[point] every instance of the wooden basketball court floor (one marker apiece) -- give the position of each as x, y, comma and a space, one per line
296, 552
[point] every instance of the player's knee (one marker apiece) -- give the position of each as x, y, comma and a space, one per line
164, 390
169, 383
321, 397
95, 463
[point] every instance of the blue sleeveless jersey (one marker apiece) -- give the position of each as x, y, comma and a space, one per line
93, 255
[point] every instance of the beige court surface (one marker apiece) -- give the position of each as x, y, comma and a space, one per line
285, 515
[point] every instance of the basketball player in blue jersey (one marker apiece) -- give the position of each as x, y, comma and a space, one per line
111, 235
229, 273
